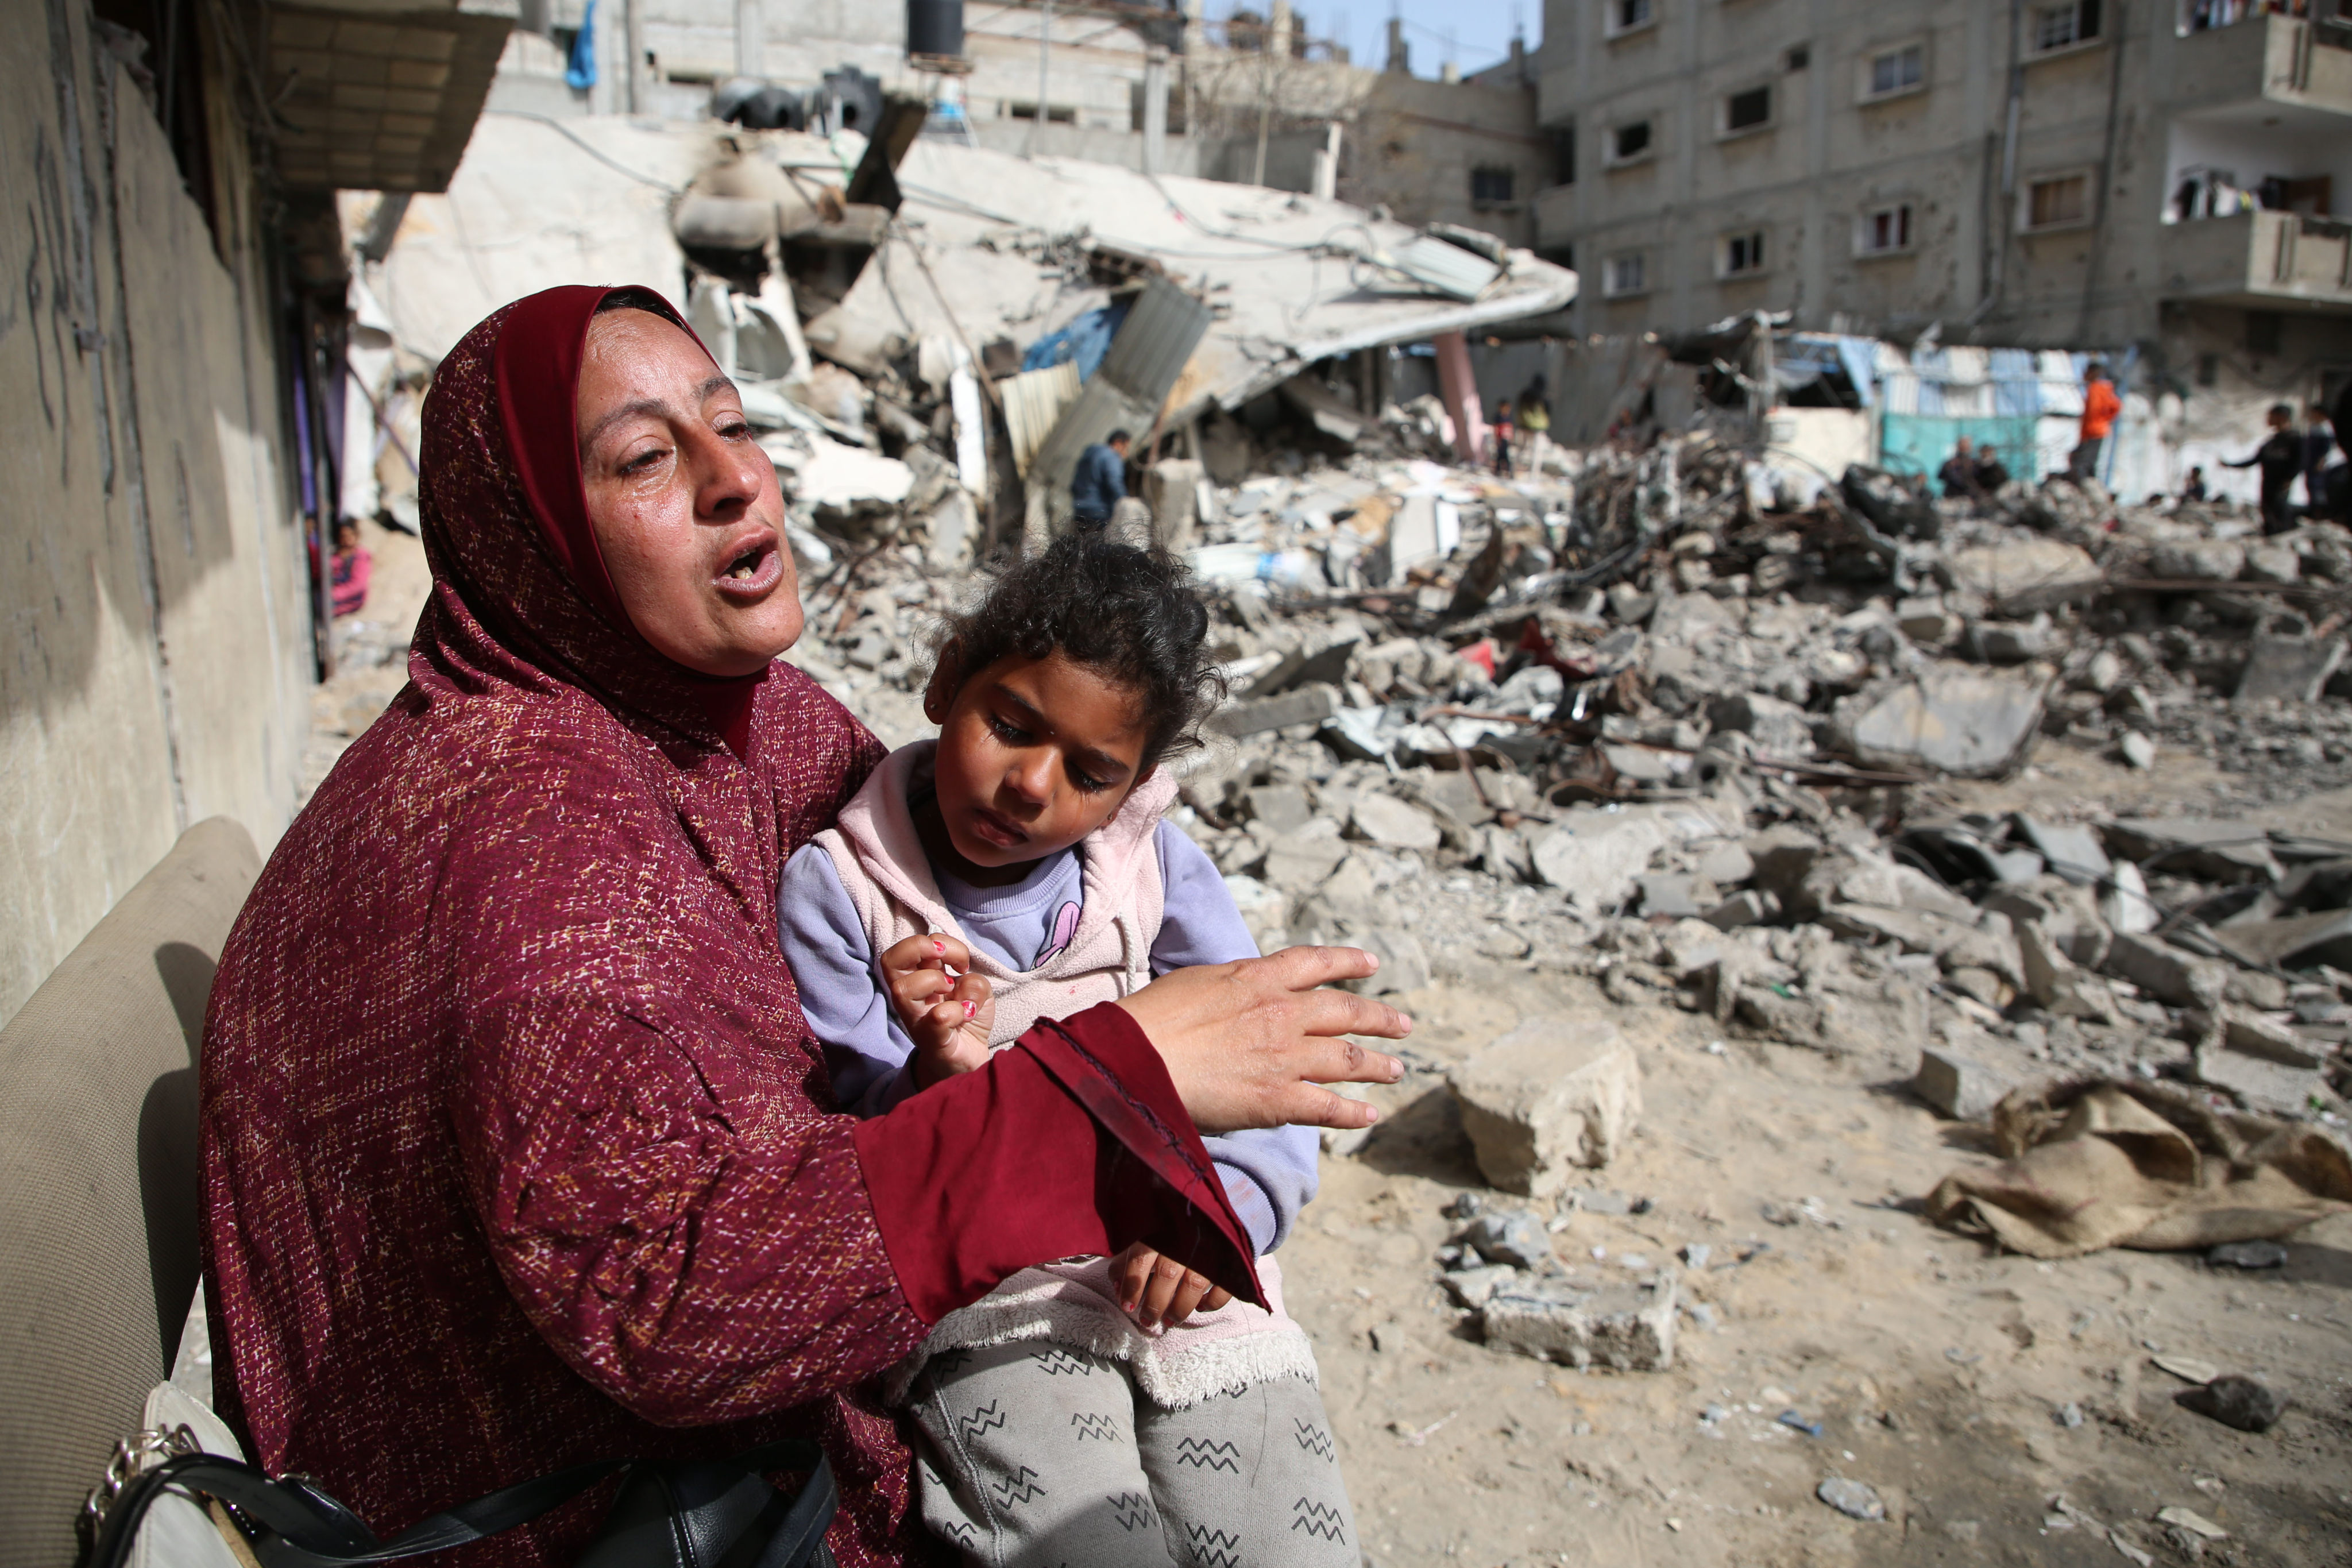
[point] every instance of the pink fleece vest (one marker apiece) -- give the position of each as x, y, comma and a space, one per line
887, 876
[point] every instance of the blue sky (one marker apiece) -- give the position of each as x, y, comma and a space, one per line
1480, 29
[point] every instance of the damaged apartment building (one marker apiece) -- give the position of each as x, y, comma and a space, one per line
2165, 178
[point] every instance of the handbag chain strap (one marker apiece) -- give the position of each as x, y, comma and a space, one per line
133, 1456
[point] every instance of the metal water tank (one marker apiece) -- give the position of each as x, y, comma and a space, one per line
935, 28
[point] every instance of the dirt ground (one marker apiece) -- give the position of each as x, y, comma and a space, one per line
1939, 1373
1936, 1371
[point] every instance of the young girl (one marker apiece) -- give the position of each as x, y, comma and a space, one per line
1104, 1411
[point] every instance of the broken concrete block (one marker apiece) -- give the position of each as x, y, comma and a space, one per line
1472, 1287
2054, 982
2021, 578
1327, 664
1511, 1236
1912, 932
2166, 973
1927, 622
1961, 1084
2293, 669
1594, 856
1676, 895
2010, 642
2207, 850
1956, 720
1626, 1326
2262, 1082
1405, 964
1389, 822
1298, 864
1745, 907
2201, 559
1726, 865
1779, 729
1308, 705
2271, 563
2136, 750
1282, 807
1547, 1097
2069, 849
1783, 857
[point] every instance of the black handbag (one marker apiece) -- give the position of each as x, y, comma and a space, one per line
712, 1513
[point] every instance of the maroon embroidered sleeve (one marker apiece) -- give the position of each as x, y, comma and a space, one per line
1071, 1143
695, 1271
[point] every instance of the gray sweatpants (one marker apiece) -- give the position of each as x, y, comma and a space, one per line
1039, 1455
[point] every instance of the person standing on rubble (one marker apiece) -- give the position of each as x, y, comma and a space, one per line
1099, 483
1502, 429
2280, 458
516, 1147
2100, 406
2318, 441
1959, 475
1535, 422
1991, 472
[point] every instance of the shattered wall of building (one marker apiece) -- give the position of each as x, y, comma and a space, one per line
1670, 231
159, 660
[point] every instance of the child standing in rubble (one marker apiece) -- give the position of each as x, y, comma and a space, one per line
1108, 1411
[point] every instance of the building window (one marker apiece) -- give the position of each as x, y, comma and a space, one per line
1799, 56
1747, 111
1884, 231
2063, 26
1628, 16
2060, 201
1490, 186
1896, 71
1629, 143
1563, 155
1625, 275
1739, 255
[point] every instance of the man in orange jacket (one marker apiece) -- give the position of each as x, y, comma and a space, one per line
2100, 406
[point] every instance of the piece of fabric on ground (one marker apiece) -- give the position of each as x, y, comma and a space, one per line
2102, 1162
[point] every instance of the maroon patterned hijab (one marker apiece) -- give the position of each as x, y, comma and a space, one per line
507, 534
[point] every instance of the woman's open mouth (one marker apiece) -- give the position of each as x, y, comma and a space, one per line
754, 570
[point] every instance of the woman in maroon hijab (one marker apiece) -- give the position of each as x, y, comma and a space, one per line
517, 1150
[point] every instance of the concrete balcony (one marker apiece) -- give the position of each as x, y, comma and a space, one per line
2285, 61
2259, 261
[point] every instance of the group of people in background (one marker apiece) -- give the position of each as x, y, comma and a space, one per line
2287, 453
1972, 472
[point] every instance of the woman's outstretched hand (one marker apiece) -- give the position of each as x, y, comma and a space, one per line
1250, 1044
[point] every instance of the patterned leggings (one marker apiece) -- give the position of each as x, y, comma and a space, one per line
1039, 1455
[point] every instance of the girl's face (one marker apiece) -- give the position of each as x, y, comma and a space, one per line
1034, 754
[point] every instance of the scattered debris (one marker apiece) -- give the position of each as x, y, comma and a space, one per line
2235, 1400
1852, 1499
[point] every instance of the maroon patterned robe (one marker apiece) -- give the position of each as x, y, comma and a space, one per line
517, 1150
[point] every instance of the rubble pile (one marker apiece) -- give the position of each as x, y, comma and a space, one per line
1631, 718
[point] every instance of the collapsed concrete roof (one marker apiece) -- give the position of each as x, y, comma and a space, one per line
380, 97
1292, 279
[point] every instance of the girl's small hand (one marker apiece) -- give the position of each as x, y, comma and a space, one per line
947, 1011
1158, 1291
952, 1035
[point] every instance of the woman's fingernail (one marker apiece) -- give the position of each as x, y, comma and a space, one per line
970, 1007
938, 947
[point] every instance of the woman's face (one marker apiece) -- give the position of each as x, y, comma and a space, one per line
684, 503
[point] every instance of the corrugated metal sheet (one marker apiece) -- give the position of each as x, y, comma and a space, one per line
1034, 401
1441, 266
1162, 330
1153, 346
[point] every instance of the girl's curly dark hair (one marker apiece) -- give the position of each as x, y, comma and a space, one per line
1130, 615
